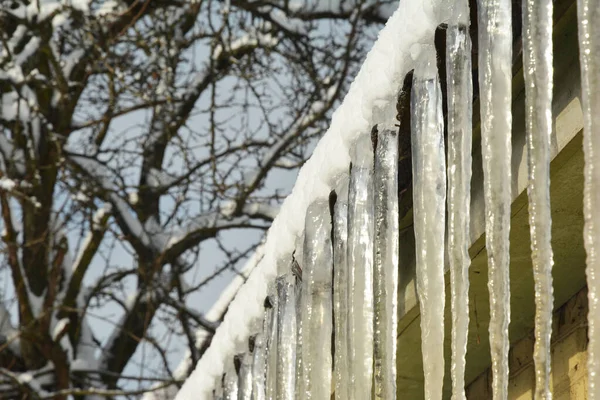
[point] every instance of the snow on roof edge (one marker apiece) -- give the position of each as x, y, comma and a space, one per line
370, 100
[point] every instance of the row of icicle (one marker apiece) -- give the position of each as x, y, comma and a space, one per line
330, 320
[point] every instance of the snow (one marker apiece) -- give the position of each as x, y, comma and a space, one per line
59, 328
157, 178
7, 184
28, 50
251, 39
371, 100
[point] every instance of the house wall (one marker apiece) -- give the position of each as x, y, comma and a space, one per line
569, 358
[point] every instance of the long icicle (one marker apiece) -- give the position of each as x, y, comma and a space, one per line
460, 104
495, 66
537, 60
360, 264
245, 374
385, 277
271, 370
429, 202
259, 363
340, 292
297, 270
317, 317
286, 337
230, 383
589, 52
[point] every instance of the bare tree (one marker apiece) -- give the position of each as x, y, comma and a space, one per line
132, 132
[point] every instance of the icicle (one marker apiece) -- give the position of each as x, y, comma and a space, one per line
386, 263
495, 66
360, 264
537, 64
245, 374
317, 297
230, 383
589, 52
429, 197
460, 102
297, 270
286, 337
271, 374
340, 292
258, 367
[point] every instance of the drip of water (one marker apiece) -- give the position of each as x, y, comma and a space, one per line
360, 264
589, 49
341, 293
317, 318
429, 198
537, 60
495, 78
460, 103
385, 255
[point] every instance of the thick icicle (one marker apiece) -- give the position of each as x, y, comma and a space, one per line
537, 66
429, 205
340, 292
460, 103
317, 296
360, 264
271, 372
385, 262
589, 53
245, 375
495, 78
286, 337
230, 383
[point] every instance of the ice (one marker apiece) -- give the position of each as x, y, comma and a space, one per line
460, 103
271, 371
429, 198
495, 78
245, 377
230, 383
589, 48
317, 313
360, 265
537, 67
298, 292
386, 258
341, 373
286, 337
259, 363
